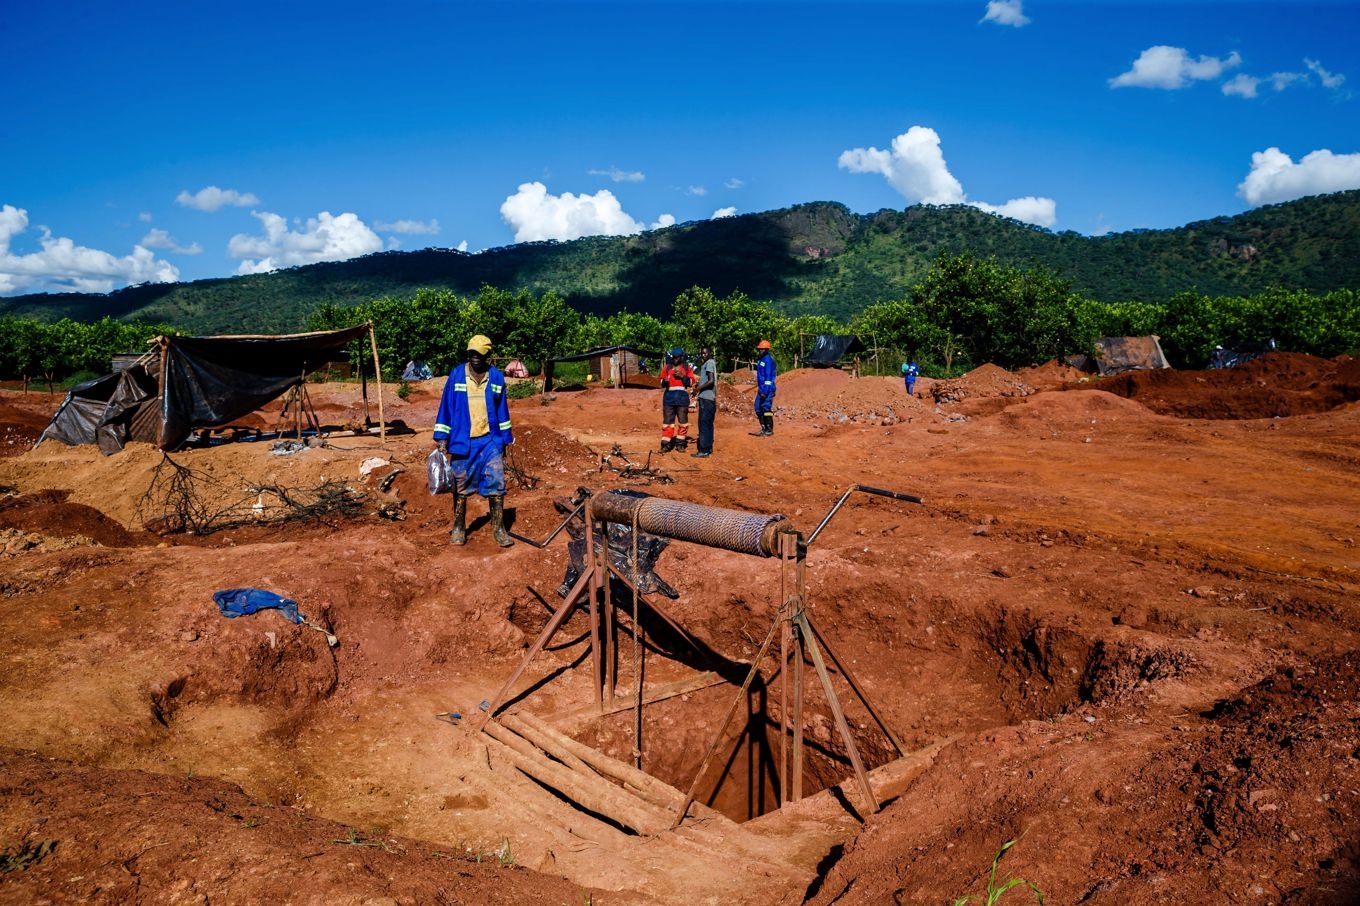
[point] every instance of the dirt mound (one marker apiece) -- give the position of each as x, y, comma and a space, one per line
985, 381
1276, 385
50, 514
1051, 375
830, 395
23, 416
242, 850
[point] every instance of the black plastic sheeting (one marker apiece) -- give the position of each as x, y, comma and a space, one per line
595, 354
1118, 355
207, 382
828, 349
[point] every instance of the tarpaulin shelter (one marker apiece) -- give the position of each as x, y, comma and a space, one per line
828, 349
1117, 355
187, 383
612, 363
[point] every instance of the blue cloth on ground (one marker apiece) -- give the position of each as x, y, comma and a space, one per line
235, 602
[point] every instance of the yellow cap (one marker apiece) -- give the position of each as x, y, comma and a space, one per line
480, 344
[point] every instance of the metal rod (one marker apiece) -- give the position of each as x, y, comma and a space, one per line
580, 507
895, 495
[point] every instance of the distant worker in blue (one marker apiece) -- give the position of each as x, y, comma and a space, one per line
909, 373
473, 428
765, 387
676, 379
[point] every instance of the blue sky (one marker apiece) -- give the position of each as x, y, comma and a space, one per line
153, 141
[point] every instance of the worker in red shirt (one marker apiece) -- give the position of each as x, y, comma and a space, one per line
676, 379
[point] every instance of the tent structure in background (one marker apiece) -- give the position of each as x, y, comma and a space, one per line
1117, 355
611, 363
828, 349
187, 383
1237, 353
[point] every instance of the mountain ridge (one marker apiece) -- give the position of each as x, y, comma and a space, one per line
812, 258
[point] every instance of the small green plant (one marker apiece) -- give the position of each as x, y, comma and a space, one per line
354, 838
19, 858
504, 855
522, 389
994, 892
403, 390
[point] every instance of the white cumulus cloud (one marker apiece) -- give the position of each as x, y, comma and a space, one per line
618, 175
724, 212
1274, 176
916, 168
408, 226
1171, 68
734, 183
1006, 12
1328, 79
63, 266
323, 238
1241, 85
211, 198
160, 239
536, 215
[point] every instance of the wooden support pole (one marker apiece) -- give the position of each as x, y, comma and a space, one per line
841, 723
859, 693
548, 632
377, 374
779, 619
597, 795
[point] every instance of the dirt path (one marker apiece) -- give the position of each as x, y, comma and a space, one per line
1119, 629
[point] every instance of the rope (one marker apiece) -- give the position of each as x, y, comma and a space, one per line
733, 530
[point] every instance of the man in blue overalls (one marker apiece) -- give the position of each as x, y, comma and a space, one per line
473, 427
765, 376
909, 372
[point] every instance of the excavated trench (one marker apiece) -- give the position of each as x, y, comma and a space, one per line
1014, 666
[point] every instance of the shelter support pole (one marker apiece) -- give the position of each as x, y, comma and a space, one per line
377, 375
789, 560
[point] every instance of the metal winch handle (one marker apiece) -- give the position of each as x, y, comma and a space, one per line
895, 495
580, 508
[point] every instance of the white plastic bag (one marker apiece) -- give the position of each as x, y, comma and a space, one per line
437, 468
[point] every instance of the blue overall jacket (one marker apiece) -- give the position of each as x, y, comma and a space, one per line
453, 422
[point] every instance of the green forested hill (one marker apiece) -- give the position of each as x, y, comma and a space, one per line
816, 258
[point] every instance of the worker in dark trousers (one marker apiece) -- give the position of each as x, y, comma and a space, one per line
676, 379
707, 395
473, 428
765, 387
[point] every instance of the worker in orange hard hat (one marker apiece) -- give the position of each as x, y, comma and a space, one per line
765, 376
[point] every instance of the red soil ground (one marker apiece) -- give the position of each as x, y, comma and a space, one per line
1120, 630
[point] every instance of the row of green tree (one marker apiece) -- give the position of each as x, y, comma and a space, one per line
32, 351
966, 311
